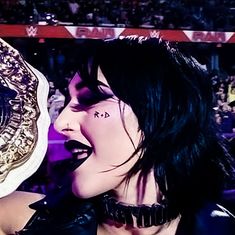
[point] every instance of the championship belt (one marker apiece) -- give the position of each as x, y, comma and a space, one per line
24, 119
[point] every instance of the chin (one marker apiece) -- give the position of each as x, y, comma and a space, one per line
82, 192
86, 191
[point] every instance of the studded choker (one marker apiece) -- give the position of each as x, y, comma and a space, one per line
145, 216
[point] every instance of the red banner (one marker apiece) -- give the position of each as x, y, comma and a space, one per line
46, 31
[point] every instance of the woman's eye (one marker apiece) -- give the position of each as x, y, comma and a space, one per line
90, 99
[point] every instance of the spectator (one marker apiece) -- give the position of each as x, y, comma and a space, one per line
55, 104
227, 122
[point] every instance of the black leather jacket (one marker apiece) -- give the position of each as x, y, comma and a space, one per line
67, 215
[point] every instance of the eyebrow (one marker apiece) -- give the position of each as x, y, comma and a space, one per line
80, 85
103, 84
83, 84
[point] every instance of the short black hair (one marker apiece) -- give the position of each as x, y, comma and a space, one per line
172, 97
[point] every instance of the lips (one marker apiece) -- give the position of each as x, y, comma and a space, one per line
78, 149
80, 152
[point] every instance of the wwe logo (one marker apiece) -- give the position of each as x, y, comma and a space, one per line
154, 34
31, 31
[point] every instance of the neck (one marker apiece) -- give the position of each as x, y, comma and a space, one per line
129, 193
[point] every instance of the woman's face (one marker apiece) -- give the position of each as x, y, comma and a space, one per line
108, 130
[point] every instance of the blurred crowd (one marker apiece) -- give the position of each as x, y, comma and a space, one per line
224, 88
161, 14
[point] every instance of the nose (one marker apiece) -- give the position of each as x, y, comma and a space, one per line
69, 124
63, 123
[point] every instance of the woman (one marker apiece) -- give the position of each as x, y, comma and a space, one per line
146, 156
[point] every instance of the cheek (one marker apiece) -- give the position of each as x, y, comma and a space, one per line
102, 122
105, 131
111, 147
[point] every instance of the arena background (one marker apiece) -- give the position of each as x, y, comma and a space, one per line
47, 38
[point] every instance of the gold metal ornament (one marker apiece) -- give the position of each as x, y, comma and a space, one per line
19, 110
